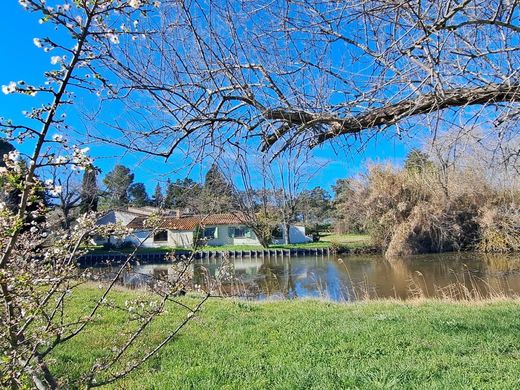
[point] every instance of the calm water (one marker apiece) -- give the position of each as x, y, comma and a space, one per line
348, 278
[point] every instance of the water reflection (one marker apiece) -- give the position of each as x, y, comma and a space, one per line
350, 278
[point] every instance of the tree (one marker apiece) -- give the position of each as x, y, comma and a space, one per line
138, 195
117, 182
217, 195
417, 161
38, 264
182, 193
349, 209
5, 148
89, 191
68, 194
158, 198
426, 65
314, 206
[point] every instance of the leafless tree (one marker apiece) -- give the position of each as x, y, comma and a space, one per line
301, 73
38, 263
267, 191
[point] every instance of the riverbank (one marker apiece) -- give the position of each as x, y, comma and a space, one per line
316, 344
354, 244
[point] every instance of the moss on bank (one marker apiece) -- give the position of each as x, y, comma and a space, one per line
317, 344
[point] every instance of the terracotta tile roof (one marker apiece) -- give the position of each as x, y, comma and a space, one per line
188, 223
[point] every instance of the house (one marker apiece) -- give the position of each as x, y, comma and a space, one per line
177, 230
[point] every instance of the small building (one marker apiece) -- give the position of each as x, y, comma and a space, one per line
178, 230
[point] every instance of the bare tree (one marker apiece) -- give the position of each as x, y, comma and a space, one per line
266, 190
67, 194
300, 73
38, 264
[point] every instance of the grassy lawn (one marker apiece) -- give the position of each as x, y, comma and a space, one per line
348, 240
307, 344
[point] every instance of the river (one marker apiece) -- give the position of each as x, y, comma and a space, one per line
347, 278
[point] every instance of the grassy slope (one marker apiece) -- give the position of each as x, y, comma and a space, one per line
322, 345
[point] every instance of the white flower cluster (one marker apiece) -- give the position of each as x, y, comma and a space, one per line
80, 158
113, 38
14, 156
57, 138
10, 88
135, 3
53, 189
57, 59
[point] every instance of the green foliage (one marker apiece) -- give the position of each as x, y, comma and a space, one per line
217, 195
418, 161
181, 193
313, 344
89, 191
117, 183
314, 206
138, 195
158, 198
5, 148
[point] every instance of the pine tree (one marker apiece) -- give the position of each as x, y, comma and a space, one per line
117, 182
138, 195
5, 148
89, 191
158, 198
217, 194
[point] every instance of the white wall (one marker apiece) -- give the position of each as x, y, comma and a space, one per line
184, 238
180, 238
296, 235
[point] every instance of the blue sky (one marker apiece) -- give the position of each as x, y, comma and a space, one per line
21, 60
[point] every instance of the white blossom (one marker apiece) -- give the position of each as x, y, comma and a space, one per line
57, 138
60, 160
66, 7
113, 38
157, 4
23, 3
14, 155
37, 42
135, 3
10, 88
56, 190
80, 158
55, 60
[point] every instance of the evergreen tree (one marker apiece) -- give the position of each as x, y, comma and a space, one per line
89, 191
117, 182
158, 198
217, 195
181, 193
138, 195
417, 161
5, 148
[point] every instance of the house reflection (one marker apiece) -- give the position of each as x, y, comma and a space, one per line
347, 279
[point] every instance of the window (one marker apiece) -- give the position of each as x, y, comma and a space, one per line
277, 233
210, 233
240, 232
160, 236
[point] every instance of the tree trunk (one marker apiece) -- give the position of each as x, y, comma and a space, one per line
286, 237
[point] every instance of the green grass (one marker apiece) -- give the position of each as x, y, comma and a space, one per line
307, 344
348, 240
